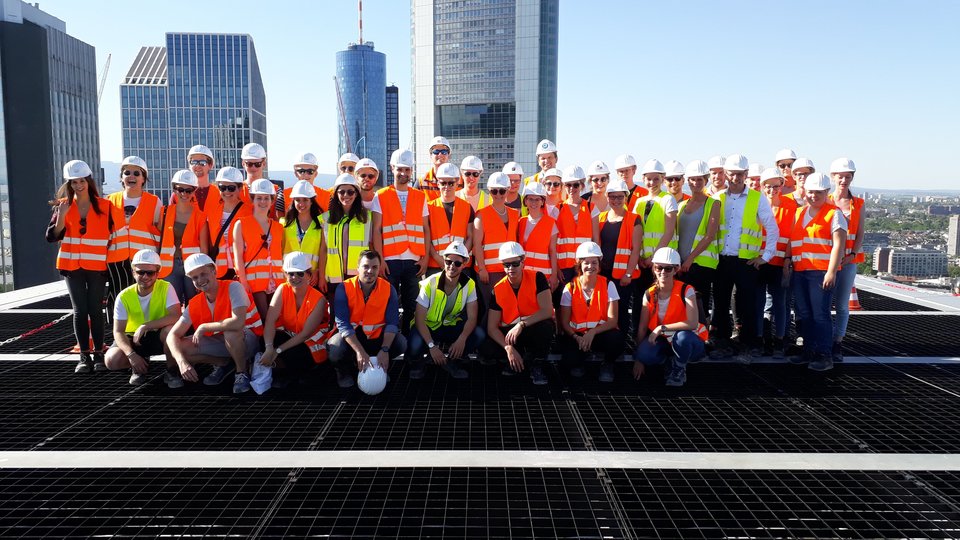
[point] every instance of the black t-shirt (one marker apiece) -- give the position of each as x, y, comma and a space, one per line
516, 203
609, 234
448, 208
542, 285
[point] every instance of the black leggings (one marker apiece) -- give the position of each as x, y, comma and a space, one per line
86, 289
121, 277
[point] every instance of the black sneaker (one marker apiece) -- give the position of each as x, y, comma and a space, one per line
85, 365
344, 380
805, 357
779, 351
822, 362
537, 375
837, 351
606, 373
418, 371
98, 363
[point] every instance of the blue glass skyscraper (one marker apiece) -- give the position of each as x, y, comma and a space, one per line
362, 80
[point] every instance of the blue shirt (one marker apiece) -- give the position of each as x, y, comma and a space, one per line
341, 313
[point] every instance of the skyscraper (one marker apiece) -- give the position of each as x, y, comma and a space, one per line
362, 80
48, 116
953, 237
485, 77
199, 89
393, 126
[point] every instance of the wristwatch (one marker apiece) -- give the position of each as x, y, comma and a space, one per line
277, 351
385, 349
431, 345
663, 328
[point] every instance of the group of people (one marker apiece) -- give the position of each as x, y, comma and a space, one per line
238, 272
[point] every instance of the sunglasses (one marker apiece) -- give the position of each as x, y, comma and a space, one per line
474, 174
571, 185
144, 272
552, 184
446, 184
619, 197
784, 165
514, 264
368, 176
184, 191
347, 192
254, 164
498, 191
674, 179
771, 187
83, 226
344, 168
128, 172
450, 262
306, 171
198, 162
440, 152
295, 274
664, 269
228, 187
600, 179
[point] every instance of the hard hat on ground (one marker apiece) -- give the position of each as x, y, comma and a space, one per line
373, 379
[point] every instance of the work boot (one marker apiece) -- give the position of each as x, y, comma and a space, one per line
821, 362
344, 380
85, 365
779, 351
98, 362
837, 351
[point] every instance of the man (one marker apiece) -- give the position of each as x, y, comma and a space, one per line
753, 176
439, 154
142, 317
406, 233
305, 168
746, 215
626, 167
451, 218
225, 326
514, 172
347, 163
446, 318
254, 158
367, 174
200, 160
718, 179
367, 314
784, 163
470, 171
546, 158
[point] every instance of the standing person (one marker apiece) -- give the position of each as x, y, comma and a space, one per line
184, 232
669, 324
626, 167
818, 243
546, 159
494, 225
718, 177
347, 164
658, 210
575, 222
221, 215
347, 232
514, 172
588, 315
754, 171
451, 219
470, 171
801, 169
446, 318
143, 315
305, 168
200, 160
537, 232
406, 234
254, 159
775, 275
439, 154
302, 230
621, 241
258, 248
86, 227
599, 176
784, 162
520, 322
841, 173
698, 222
554, 191
673, 181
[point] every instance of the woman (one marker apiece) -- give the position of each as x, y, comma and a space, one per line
817, 243
698, 222
347, 232
258, 247
471, 168
552, 182
451, 220
669, 322
493, 225
222, 212
302, 231
293, 332
588, 315
183, 233
537, 233
774, 276
86, 227
802, 168
598, 192
621, 237
841, 173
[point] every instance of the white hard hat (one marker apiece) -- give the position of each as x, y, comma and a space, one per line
448, 170
546, 146
306, 159
573, 173
349, 157
674, 168
345, 179
230, 174
511, 250
373, 379
366, 163
146, 256
76, 169
440, 141
770, 173
456, 248
499, 180
653, 166
589, 249
471, 163
303, 190
786, 153
552, 172
666, 255
842, 165
735, 163
197, 260
262, 187
512, 167
817, 182
617, 186
134, 161
401, 158
624, 161
200, 149
755, 169
534, 188
253, 151
801, 163
697, 167
598, 168
715, 162
296, 261
184, 178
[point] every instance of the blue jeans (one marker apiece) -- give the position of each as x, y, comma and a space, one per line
841, 300
417, 347
812, 303
770, 279
180, 282
686, 346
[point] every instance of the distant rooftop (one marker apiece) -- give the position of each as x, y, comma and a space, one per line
149, 68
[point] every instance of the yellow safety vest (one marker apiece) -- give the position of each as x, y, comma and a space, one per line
654, 224
751, 232
157, 308
358, 238
310, 244
438, 302
710, 257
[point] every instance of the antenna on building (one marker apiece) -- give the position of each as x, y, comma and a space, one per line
360, 13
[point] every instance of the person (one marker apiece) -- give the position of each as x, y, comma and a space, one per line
626, 167
222, 215
754, 171
748, 240
451, 219
86, 227
537, 232
669, 322
471, 168
254, 158
143, 315
673, 181
294, 330
802, 168
183, 232
658, 211
347, 232
621, 241
576, 224
774, 277
493, 225
599, 176
439, 154
446, 321
818, 244
368, 175
226, 328
347, 163
784, 163
554, 191
258, 247
698, 222
718, 177
302, 230
406, 234
514, 172
200, 160
546, 159
305, 168
520, 322
841, 173
588, 315
367, 315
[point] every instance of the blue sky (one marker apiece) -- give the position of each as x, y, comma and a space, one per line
875, 81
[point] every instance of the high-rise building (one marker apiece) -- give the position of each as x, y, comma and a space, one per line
485, 77
198, 89
362, 80
393, 126
48, 116
910, 262
953, 237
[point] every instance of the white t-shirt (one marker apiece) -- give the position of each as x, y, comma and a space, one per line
666, 202
120, 311
839, 221
238, 298
566, 299
531, 224
373, 205
663, 304
424, 300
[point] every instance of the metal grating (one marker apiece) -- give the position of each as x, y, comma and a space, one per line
26, 422
903, 381
915, 425
877, 302
55, 339
57, 302
903, 335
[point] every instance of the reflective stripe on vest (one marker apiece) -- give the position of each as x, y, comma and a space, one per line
141, 231
537, 245
369, 314
811, 244
573, 232
294, 320
517, 305
443, 231
853, 227
214, 212
437, 315
751, 231
583, 315
621, 257
310, 243
156, 309
710, 257
495, 233
402, 230
785, 215
88, 250
189, 242
676, 310
654, 224
262, 257
428, 185
199, 310
358, 240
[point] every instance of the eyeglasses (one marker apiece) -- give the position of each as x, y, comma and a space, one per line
184, 191
474, 174
228, 187
446, 184
83, 226
305, 171
128, 172
498, 191
254, 164
346, 168
618, 197
144, 272
198, 162
440, 152
664, 269
571, 185
347, 192
784, 165
368, 176
514, 264
552, 184
450, 262
771, 187
295, 274
600, 179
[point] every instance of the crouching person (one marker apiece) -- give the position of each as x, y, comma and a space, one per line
669, 322
367, 313
225, 326
446, 317
142, 317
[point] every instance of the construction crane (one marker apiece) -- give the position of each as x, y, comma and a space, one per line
103, 79
343, 115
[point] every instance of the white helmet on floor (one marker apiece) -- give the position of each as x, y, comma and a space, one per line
511, 250
373, 379
197, 260
667, 255
262, 187
146, 256
589, 249
303, 190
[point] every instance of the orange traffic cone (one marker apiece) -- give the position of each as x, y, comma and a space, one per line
854, 300
76, 348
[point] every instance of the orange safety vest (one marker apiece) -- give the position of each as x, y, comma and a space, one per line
812, 243
442, 231
624, 245
853, 227
370, 314
676, 310
586, 315
428, 185
402, 230
785, 214
189, 243
199, 309
263, 263
91, 250
537, 245
141, 231
495, 233
214, 212
293, 319
572, 232
638, 193
515, 305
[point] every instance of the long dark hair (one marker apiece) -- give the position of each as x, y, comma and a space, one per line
66, 191
293, 214
356, 211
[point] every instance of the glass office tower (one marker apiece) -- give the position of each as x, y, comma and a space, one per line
393, 125
362, 76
